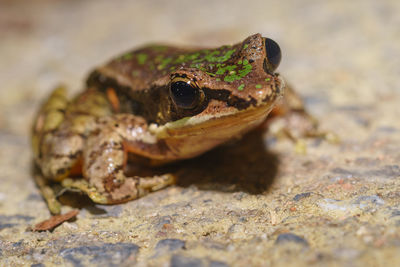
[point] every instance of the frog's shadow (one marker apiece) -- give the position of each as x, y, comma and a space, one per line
245, 165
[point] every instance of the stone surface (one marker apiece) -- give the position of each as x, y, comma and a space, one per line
231, 204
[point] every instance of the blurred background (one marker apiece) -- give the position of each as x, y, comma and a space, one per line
343, 58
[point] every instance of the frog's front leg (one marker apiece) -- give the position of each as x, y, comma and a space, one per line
105, 156
59, 134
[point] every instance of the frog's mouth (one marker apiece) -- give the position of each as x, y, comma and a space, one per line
224, 126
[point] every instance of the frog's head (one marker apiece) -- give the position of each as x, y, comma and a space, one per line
227, 80
224, 91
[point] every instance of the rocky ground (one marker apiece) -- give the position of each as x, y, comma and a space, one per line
255, 202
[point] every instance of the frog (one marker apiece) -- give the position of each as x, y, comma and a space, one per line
152, 106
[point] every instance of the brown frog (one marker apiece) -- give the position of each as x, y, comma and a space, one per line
158, 103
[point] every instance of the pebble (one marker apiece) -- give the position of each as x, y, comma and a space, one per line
301, 196
289, 237
367, 201
6, 225
217, 264
395, 213
107, 254
184, 261
170, 245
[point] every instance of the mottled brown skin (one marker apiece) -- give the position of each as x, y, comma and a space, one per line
127, 108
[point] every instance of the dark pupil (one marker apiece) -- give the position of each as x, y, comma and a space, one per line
184, 95
273, 53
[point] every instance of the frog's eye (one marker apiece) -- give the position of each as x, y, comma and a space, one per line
273, 53
185, 94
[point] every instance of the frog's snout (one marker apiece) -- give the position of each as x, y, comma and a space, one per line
273, 55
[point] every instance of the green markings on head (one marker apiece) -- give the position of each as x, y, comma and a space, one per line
158, 58
245, 46
196, 59
267, 79
258, 86
195, 65
232, 73
240, 87
186, 58
210, 57
225, 57
236, 75
200, 59
141, 58
127, 56
164, 63
216, 63
211, 74
231, 77
245, 70
222, 70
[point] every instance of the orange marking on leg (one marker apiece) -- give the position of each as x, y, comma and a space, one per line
76, 170
125, 147
113, 98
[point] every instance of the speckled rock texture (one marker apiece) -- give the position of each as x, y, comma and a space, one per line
254, 202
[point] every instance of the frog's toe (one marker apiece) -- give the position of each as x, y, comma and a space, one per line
48, 194
294, 125
156, 182
298, 126
83, 186
136, 187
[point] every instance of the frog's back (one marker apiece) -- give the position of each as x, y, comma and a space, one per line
153, 65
